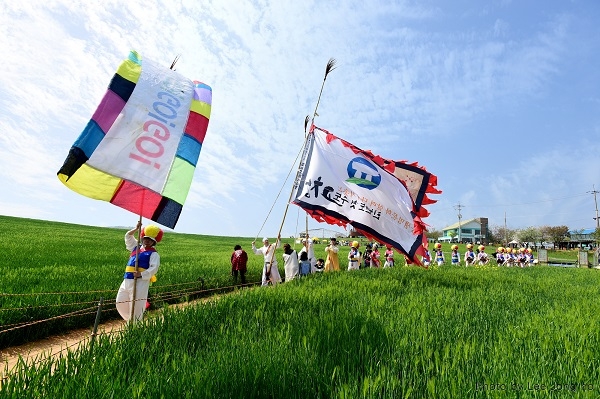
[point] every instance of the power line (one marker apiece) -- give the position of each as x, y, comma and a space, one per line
529, 203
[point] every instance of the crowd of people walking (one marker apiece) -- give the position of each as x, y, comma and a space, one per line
304, 262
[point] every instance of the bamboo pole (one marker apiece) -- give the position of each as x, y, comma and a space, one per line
328, 68
137, 255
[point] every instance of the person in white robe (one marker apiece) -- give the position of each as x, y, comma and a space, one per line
270, 272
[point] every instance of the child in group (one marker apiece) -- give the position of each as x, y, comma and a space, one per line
469, 256
304, 264
455, 257
354, 256
319, 265
367, 256
529, 256
510, 257
439, 255
426, 258
389, 257
482, 257
521, 259
500, 257
375, 255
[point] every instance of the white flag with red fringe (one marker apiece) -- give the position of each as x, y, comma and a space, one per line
338, 183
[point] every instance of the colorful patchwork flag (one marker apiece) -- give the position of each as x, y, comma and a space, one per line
338, 183
140, 149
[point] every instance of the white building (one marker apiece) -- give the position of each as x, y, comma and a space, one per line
471, 230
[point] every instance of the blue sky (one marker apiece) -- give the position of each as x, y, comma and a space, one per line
499, 99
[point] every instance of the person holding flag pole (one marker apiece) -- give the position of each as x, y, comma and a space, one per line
270, 272
140, 271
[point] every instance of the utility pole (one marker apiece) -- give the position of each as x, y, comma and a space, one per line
505, 231
458, 208
594, 191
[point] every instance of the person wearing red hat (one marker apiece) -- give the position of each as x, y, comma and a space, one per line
140, 271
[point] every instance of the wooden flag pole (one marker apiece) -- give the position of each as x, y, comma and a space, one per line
137, 255
137, 249
328, 68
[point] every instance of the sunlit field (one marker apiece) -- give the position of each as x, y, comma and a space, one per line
406, 332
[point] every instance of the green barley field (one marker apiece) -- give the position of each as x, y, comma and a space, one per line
406, 332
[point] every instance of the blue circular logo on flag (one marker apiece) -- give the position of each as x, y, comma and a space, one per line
363, 173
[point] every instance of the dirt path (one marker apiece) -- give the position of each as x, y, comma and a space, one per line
52, 346
55, 345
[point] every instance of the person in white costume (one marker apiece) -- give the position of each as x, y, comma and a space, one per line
354, 256
482, 257
141, 275
439, 254
268, 252
469, 256
291, 265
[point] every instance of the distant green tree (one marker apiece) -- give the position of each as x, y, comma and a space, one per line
596, 234
434, 234
503, 234
558, 234
529, 234
544, 233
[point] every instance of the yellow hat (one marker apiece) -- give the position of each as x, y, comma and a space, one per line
355, 244
153, 232
454, 247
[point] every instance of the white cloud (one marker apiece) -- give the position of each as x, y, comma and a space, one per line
429, 83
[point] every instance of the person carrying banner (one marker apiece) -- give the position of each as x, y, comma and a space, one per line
141, 269
239, 263
291, 265
267, 251
332, 262
354, 256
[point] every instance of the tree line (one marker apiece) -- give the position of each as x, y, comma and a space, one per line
532, 234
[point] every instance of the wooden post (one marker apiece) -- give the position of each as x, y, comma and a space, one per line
95, 330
